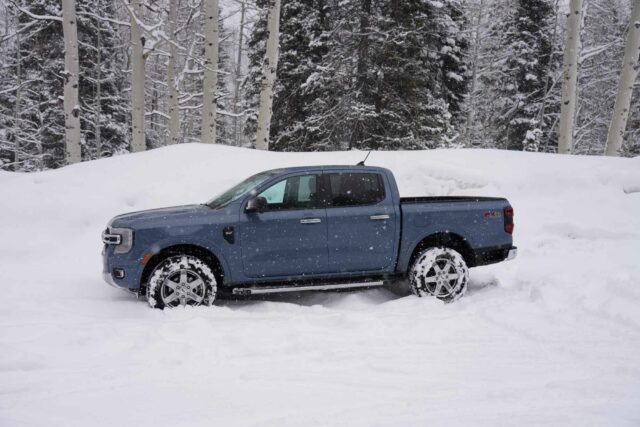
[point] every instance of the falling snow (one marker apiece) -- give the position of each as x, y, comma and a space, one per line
551, 338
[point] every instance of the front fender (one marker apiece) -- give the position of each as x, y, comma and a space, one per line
208, 237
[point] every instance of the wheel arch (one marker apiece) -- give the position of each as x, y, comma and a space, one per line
187, 249
448, 240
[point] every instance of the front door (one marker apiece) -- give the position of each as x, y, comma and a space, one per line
289, 238
361, 223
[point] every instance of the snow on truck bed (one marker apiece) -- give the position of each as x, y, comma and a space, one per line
552, 338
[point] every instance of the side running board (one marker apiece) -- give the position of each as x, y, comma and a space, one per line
327, 287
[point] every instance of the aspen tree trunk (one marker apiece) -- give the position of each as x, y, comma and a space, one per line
269, 76
570, 77
174, 108
630, 68
474, 74
155, 91
236, 83
137, 80
210, 72
72, 70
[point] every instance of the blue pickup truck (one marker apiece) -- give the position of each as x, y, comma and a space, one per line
306, 228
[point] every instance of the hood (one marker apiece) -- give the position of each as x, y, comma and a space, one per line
132, 218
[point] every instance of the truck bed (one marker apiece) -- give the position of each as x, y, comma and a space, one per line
478, 221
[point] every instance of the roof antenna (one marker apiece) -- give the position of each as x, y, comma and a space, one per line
365, 159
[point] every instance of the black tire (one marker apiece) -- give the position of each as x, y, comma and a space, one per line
440, 272
181, 280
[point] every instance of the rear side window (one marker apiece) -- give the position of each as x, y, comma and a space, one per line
355, 189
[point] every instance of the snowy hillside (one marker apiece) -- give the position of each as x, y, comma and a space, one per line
552, 338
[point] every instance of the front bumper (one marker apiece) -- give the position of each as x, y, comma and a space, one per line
131, 270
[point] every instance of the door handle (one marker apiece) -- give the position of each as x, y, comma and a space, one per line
310, 221
378, 217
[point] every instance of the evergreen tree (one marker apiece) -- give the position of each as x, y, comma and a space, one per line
105, 106
454, 46
224, 99
441, 29
256, 47
364, 74
303, 45
36, 130
529, 50
413, 80
36, 127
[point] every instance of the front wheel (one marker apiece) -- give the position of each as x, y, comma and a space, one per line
440, 272
181, 280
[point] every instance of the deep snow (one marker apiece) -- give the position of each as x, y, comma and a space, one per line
552, 338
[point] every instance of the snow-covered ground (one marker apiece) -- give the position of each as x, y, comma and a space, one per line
552, 338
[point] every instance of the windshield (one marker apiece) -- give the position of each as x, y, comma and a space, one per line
237, 191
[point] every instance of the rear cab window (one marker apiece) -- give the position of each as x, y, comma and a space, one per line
354, 189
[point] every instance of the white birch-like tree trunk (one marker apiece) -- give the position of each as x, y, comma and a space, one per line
71, 76
630, 68
210, 72
270, 66
474, 73
570, 77
137, 79
174, 108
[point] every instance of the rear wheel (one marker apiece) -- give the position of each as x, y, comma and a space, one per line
440, 272
181, 280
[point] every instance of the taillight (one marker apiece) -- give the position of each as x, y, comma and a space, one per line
508, 220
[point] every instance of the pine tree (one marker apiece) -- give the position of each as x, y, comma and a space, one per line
529, 50
37, 125
364, 74
256, 47
34, 92
105, 118
415, 77
454, 49
224, 97
302, 48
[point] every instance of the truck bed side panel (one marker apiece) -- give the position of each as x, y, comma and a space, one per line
479, 221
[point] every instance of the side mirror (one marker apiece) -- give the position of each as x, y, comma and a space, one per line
256, 204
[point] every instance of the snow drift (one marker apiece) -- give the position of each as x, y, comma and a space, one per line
550, 338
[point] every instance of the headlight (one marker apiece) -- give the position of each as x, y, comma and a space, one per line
121, 238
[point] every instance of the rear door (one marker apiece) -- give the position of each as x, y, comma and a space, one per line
290, 237
361, 222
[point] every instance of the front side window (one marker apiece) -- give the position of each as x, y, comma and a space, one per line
234, 193
355, 189
295, 192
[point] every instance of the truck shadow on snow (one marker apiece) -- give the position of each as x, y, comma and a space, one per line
334, 298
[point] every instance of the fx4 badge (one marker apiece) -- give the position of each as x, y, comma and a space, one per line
490, 214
